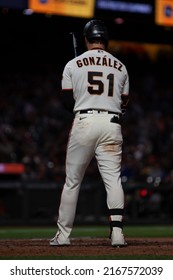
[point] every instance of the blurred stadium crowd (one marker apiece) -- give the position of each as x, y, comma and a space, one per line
148, 137
34, 126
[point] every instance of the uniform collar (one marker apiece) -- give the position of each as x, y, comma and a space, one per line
96, 49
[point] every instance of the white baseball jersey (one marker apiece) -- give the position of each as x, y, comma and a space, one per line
98, 80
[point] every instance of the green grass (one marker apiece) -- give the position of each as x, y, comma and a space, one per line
149, 231
85, 231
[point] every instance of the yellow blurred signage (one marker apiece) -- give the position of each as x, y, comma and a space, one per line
164, 12
76, 8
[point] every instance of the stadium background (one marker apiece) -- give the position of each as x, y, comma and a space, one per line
34, 126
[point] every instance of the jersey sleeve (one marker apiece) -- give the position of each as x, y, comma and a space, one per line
67, 89
66, 83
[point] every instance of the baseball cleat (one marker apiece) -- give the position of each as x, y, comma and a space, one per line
119, 245
117, 239
55, 242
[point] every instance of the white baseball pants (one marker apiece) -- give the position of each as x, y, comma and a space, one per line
92, 135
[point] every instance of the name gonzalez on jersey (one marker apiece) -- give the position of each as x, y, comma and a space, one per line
100, 61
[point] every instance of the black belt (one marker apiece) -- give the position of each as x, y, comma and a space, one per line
90, 111
115, 119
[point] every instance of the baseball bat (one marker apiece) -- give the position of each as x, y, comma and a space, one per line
74, 43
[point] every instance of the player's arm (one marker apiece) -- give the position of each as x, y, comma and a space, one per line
125, 94
67, 99
124, 101
66, 94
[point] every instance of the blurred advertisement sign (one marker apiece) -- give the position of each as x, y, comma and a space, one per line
76, 8
131, 11
125, 6
18, 4
11, 168
164, 12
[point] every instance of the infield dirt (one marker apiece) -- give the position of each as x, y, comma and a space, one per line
86, 247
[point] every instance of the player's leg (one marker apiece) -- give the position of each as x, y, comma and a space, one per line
79, 154
74, 175
108, 155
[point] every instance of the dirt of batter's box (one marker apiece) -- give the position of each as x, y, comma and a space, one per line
86, 247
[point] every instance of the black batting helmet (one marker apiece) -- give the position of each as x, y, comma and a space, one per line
95, 29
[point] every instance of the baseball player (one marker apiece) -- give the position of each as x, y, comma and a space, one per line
95, 86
